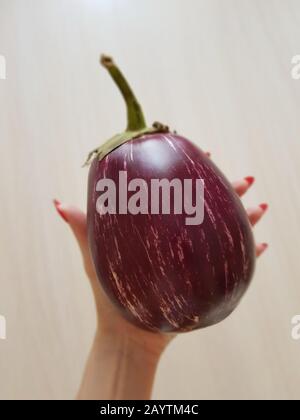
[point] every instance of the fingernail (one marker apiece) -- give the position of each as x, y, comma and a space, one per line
264, 247
57, 205
264, 206
250, 179
208, 154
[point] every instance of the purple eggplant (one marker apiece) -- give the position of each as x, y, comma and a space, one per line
162, 273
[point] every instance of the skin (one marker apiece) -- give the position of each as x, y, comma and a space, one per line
123, 358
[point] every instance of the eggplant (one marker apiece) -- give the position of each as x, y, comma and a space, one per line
162, 273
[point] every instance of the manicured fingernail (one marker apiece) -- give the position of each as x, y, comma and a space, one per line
250, 179
264, 206
261, 249
57, 205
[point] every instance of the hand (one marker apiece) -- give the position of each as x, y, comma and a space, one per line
110, 322
123, 358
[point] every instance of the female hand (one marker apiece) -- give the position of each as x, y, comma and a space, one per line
116, 335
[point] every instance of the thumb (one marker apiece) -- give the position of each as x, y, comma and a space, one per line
77, 222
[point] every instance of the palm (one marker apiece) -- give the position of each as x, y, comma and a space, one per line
109, 319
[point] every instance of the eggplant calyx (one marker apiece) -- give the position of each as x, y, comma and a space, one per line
136, 124
122, 138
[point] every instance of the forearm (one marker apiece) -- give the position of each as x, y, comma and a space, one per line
118, 368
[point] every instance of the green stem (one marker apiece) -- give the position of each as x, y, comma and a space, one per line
135, 117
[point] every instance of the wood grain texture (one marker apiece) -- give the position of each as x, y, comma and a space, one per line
217, 71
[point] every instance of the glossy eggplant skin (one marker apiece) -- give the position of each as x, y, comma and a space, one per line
160, 273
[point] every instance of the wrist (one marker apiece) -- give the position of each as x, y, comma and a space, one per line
127, 369
126, 347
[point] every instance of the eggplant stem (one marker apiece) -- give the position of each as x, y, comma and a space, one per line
135, 116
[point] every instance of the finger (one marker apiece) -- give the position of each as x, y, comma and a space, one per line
208, 154
77, 222
242, 186
256, 213
260, 248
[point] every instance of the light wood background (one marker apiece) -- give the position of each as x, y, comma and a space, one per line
219, 71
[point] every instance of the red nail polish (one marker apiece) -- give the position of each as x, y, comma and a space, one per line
250, 179
59, 210
264, 206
